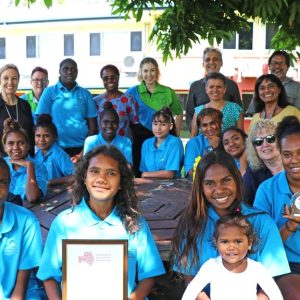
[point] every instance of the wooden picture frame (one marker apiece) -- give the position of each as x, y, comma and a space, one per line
94, 269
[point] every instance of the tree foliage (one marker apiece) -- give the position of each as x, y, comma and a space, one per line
184, 22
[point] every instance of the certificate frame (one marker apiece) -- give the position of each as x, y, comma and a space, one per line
94, 269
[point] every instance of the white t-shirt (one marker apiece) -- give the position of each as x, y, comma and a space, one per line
226, 285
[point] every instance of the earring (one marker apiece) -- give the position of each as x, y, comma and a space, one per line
249, 248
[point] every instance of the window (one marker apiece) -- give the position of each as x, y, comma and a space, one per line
68, 44
270, 32
30, 46
2, 48
241, 40
95, 44
136, 41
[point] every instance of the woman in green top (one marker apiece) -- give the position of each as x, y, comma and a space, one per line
151, 97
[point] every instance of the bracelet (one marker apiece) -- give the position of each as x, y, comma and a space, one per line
287, 227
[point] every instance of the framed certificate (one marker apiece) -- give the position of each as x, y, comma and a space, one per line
94, 269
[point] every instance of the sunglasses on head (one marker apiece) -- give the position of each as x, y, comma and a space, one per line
260, 140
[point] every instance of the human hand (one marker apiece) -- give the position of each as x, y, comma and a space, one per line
293, 221
21, 162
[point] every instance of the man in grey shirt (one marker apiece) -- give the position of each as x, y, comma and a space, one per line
279, 63
212, 62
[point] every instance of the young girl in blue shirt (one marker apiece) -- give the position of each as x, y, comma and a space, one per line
28, 179
104, 206
162, 155
59, 166
218, 191
109, 124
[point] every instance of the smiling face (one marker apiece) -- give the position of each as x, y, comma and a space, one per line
210, 127
233, 245
9, 81
268, 91
278, 66
212, 62
219, 188
267, 151
39, 81
110, 80
215, 89
290, 154
234, 143
103, 179
149, 73
44, 138
16, 146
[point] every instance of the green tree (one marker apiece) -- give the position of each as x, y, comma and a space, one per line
184, 22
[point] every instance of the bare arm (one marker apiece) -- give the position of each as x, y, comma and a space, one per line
290, 226
178, 121
142, 289
92, 126
52, 289
194, 127
20, 288
159, 174
62, 180
240, 122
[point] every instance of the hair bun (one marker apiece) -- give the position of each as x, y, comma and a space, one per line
44, 118
107, 105
10, 124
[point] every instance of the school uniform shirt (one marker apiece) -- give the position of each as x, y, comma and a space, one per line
196, 146
271, 197
143, 257
148, 103
20, 245
18, 178
69, 111
229, 285
169, 156
123, 143
126, 108
56, 161
270, 251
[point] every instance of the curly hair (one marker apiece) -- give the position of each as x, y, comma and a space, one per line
45, 121
240, 221
10, 125
125, 199
192, 223
254, 160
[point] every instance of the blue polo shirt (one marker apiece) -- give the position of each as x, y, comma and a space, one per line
196, 146
143, 257
18, 178
270, 250
169, 156
271, 197
69, 111
56, 161
20, 245
123, 143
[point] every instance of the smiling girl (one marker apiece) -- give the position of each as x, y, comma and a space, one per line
28, 179
104, 207
232, 275
218, 191
162, 155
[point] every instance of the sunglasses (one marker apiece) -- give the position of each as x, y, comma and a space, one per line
260, 140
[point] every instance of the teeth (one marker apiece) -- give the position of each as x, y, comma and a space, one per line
222, 199
296, 169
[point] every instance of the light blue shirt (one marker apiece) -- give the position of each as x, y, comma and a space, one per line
18, 178
196, 146
270, 250
271, 197
56, 161
169, 156
143, 257
20, 245
69, 111
123, 143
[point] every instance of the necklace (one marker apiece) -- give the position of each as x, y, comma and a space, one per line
17, 112
264, 114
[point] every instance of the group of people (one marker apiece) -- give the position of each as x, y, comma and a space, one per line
239, 218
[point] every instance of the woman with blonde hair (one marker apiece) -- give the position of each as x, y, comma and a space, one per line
263, 156
150, 97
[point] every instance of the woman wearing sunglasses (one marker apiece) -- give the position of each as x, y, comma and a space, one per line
263, 156
274, 195
270, 100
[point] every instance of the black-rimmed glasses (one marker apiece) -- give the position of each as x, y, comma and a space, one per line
260, 140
